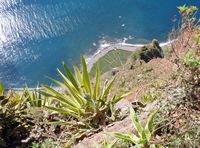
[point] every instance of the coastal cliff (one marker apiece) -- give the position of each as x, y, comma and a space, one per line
144, 96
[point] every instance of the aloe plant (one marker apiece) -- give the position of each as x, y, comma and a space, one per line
14, 120
143, 136
81, 99
107, 144
11, 101
34, 98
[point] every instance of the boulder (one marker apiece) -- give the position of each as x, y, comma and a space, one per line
148, 52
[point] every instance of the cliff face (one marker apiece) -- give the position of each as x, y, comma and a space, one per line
148, 83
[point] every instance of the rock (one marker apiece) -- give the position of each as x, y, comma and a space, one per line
114, 71
124, 106
148, 52
125, 126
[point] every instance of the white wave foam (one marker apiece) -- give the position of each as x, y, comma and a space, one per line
131, 45
103, 43
107, 46
167, 43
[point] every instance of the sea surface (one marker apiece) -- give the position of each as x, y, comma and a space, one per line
36, 35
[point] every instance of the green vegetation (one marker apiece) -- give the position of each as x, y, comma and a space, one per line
191, 59
112, 59
145, 134
190, 62
14, 121
35, 99
167, 53
48, 143
87, 103
148, 52
82, 107
180, 114
150, 97
118, 58
108, 144
190, 71
187, 11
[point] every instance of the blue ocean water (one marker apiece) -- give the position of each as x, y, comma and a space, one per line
36, 35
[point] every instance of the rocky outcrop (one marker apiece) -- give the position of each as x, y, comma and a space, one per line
148, 52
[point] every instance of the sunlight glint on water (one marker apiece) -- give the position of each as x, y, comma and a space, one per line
36, 35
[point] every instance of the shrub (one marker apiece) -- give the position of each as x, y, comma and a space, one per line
89, 104
192, 59
189, 63
144, 134
14, 122
34, 98
180, 126
191, 75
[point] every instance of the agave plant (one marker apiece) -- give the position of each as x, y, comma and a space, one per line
11, 101
34, 98
81, 99
14, 121
143, 137
108, 144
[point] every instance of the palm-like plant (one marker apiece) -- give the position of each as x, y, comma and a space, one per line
14, 120
34, 98
87, 102
144, 134
11, 102
108, 144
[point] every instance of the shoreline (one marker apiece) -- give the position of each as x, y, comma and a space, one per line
92, 59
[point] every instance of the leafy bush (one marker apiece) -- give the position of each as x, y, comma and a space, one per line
144, 134
189, 65
191, 75
187, 11
187, 54
180, 126
192, 59
197, 37
180, 115
89, 104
